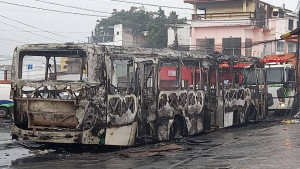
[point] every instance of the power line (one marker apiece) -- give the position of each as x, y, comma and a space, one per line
151, 4
11, 40
10, 30
53, 10
29, 32
116, 3
74, 7
37, 28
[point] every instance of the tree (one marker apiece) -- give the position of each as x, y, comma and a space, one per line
140, 21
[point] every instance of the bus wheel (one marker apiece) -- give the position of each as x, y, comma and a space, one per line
3, 112
206, 120
177, 129
242, 116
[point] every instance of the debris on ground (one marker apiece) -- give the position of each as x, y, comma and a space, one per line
292, 121
198, 141
42, 152
150, 152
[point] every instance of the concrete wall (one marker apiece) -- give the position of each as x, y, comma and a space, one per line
227, 6
243, 32
184, 33
118, 36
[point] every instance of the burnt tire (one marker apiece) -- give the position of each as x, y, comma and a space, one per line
178, 129
3, 112
206, 120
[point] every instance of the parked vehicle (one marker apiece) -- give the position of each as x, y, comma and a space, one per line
6, 105
280, 71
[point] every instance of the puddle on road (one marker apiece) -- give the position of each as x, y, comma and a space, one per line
9, 155
10, 150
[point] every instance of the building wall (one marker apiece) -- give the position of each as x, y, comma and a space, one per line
243, 32
227, 6
118, 36
263, 27
183, 33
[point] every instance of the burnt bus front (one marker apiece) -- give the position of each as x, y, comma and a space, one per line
60, 95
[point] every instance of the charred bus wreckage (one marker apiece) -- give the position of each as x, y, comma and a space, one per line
93, 94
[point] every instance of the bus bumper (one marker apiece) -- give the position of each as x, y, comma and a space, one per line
120, 136
81, 137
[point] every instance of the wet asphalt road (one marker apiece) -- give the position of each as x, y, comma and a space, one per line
267, 144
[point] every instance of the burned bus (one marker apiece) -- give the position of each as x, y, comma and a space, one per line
238, 90
108, 95
90, 94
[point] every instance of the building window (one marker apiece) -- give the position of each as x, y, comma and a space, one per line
291, 47
118, 33
280, 46
291, 24
205, 45
232, 46
248, 47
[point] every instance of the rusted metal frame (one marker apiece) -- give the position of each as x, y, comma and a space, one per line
194, 79
129, 56
142, 96
201, 84
265, 91
142, 81
208, 83
28, 116
82, 68
107, 87
129, 103
148, 77
55, 70
128, 77
217, 82
47, 67
179, 74
116, 104
20, 66
38, 99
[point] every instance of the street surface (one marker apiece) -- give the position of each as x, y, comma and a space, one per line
267, 144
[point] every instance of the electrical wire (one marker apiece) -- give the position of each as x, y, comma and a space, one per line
173, 7
53, 10
119, 4
74, 7
71, 32
38, 28
11, 40
30, 32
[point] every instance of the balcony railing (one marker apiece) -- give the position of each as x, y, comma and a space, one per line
232, 15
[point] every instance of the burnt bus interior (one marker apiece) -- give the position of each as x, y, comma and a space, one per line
165, 94
31, 107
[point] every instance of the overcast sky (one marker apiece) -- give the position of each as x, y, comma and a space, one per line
73, 27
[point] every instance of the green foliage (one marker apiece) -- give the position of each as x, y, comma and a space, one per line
140, 21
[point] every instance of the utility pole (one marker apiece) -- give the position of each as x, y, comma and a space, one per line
297, 58
176, 44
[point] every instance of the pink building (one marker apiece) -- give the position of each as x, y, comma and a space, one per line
236, 27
